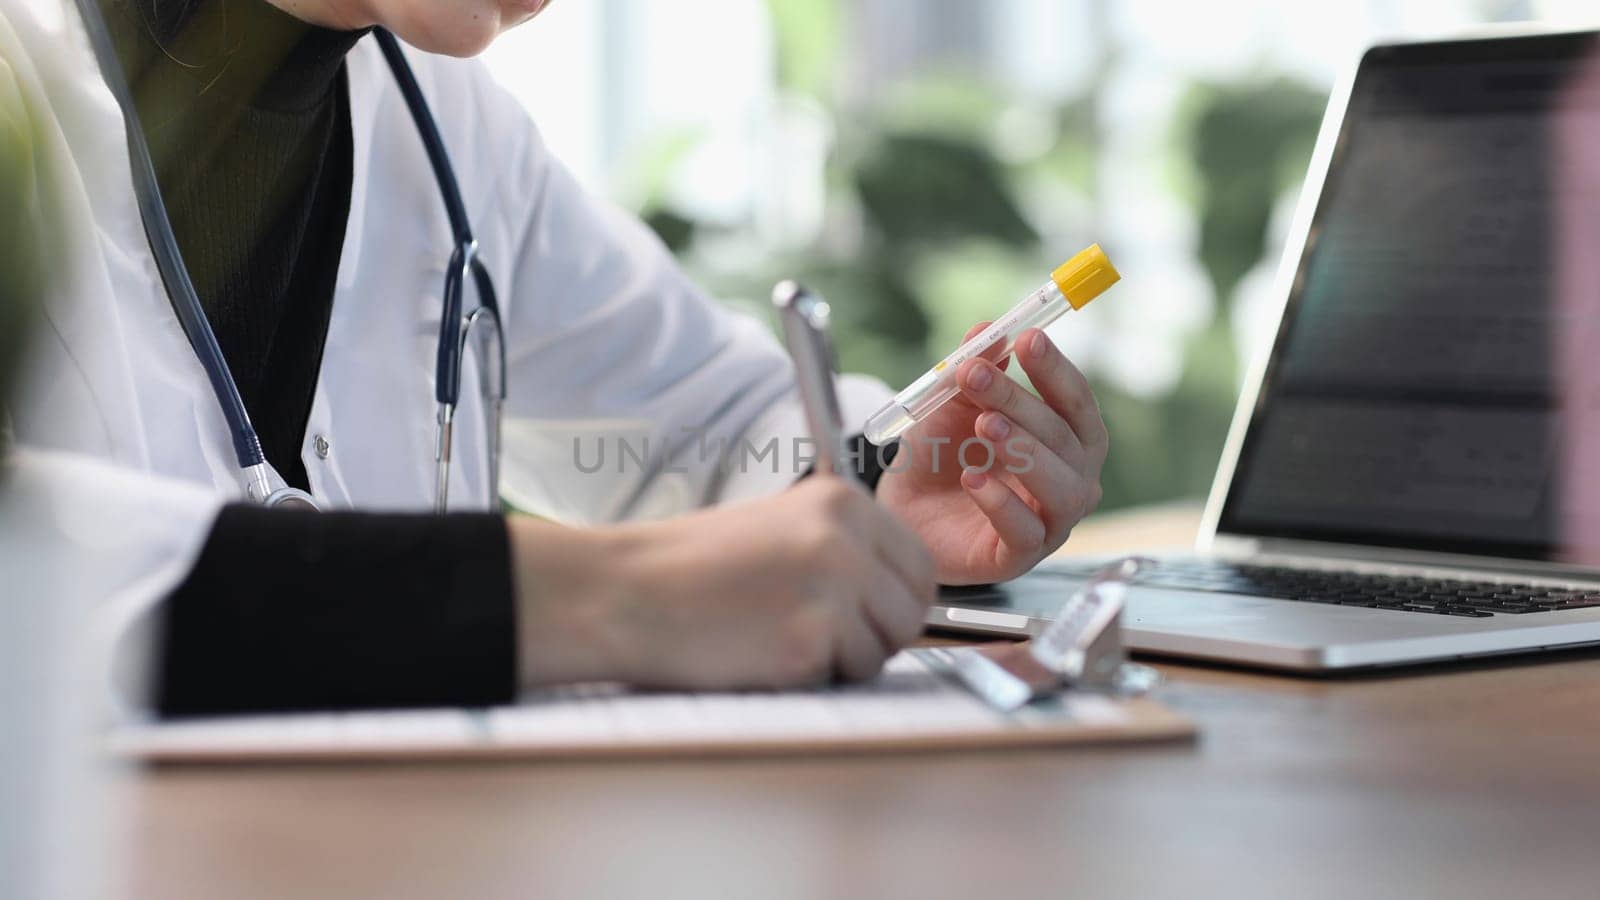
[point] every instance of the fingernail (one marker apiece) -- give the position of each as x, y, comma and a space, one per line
981, 376
1038, 346
996, 426
975, 479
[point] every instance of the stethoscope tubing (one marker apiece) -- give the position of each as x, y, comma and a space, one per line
164, 245
464, 259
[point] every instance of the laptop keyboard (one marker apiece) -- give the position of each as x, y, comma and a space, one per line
1404, 593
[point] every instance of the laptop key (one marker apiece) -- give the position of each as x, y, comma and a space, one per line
1490, 605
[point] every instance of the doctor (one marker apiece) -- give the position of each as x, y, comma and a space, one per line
311, 226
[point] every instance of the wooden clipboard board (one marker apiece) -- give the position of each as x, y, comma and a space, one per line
908, 709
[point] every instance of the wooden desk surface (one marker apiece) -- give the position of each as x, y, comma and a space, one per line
1478, 780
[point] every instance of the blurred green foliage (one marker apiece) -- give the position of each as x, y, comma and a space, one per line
807, 33
1243, 145
939, 236
926, 189
1249, 143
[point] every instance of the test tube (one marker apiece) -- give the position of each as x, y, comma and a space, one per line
1071, 286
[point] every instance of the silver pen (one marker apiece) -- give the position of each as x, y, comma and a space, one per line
805, 318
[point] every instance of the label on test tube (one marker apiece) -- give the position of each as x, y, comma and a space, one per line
1077, 281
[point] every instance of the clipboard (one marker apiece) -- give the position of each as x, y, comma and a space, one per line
909, 708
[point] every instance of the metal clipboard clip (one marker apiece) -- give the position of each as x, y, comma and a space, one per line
1081, 648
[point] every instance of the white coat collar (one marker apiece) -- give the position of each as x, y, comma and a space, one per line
368, 76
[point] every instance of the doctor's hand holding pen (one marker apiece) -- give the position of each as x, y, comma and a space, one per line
816, 582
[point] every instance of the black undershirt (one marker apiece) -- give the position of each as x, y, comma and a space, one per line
247, 116
246, 111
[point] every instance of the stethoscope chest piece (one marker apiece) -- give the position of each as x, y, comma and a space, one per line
292, 499
258, 486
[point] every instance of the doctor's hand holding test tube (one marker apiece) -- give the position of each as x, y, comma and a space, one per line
990, 509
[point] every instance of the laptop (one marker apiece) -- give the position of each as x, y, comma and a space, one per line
1413, 471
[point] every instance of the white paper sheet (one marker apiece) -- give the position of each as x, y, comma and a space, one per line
907, 703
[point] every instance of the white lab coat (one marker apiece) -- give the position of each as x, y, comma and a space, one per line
605, 335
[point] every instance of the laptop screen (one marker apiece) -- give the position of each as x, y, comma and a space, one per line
1435, 384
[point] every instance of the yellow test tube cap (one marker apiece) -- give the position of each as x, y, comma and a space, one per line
1085, 276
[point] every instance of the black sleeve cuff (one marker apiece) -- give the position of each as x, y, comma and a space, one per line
872, 460
302, 610
868, 460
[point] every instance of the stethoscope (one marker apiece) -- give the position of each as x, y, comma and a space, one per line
455, 325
